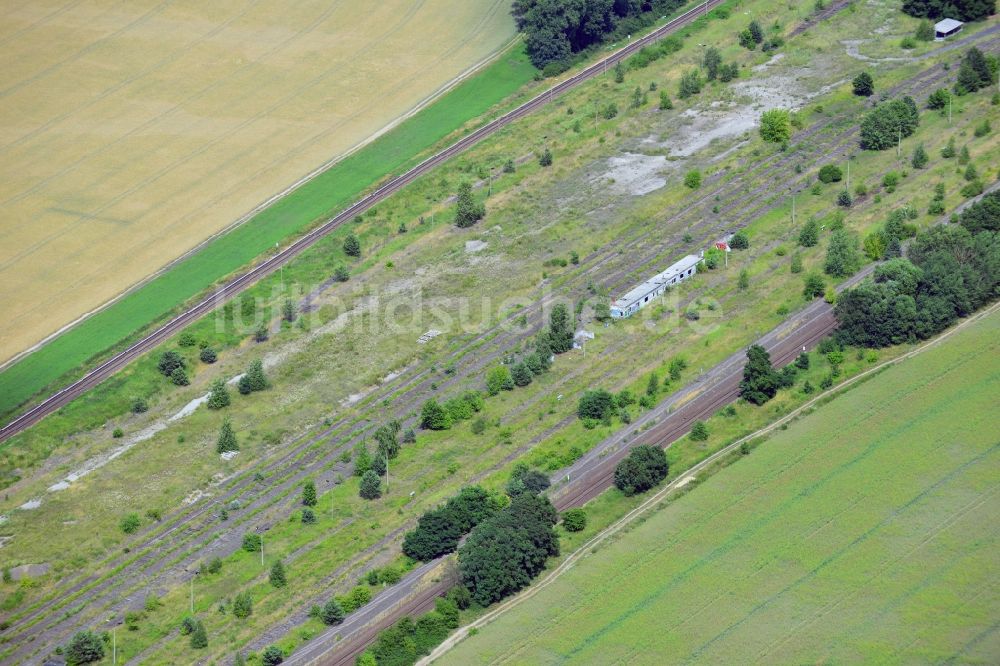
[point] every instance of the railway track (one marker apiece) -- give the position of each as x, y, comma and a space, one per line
300, 245
600, 263
292, 461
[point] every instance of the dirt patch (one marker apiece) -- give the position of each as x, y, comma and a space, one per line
195, 495
30, 571
634, 173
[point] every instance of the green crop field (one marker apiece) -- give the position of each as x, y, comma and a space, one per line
344, 182
865, 533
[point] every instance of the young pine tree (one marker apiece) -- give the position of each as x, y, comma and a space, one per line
227, 438
467, 210
309, 493
277, 576
948, 151
199, 637
352, 246
809, 236
371, 486
219, 395
256, 379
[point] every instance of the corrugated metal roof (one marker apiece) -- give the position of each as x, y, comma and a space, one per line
947, 25
639, 291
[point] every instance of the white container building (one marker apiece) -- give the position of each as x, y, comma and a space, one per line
945, 28
638, 297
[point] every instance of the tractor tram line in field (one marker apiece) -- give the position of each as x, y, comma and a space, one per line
292, 459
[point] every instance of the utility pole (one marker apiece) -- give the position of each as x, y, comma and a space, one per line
949, 105
192, 593
387, 471
262, 549
899, 141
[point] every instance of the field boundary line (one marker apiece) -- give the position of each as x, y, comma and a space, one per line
676, 484
273, 199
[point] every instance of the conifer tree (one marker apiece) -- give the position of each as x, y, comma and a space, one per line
219, 395
277, 576
309, 493
227, 438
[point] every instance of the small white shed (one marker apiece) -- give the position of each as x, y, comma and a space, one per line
946, 28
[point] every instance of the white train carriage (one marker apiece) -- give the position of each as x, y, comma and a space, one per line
637, 297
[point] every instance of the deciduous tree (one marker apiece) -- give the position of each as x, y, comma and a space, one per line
863, 85
760, 380
644, 467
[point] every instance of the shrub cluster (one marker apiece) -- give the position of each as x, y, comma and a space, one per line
506, 551
644, 467
439, 530
408, 640
949, 273
888, 122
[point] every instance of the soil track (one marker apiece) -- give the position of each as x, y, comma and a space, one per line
159, 555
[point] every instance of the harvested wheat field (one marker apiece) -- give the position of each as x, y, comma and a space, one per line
130, 132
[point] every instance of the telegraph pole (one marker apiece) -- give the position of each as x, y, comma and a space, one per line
192, 593
262, 549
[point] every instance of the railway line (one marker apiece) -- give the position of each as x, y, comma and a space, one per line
659, 429
297, 247
292, 461
592, 474
273, 263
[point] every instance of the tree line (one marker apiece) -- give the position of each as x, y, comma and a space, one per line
963, 10
556, 30
949, 272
